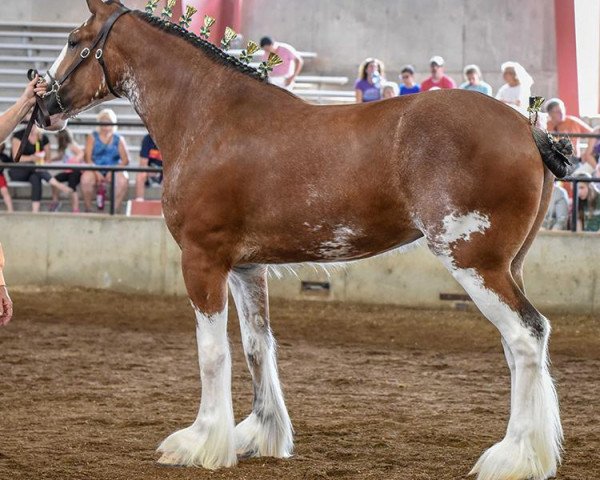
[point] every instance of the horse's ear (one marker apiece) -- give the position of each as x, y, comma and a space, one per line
94, 5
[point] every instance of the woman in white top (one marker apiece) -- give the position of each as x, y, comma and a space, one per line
517, 89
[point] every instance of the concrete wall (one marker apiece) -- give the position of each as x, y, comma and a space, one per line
485, 32
344, 32
138, 254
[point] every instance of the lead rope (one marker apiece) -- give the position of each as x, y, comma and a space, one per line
39, 107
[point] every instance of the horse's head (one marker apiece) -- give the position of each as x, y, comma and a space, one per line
80, 77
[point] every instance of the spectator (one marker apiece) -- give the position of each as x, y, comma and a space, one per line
593, 149
559, 121
371, 74
437, 78
105, 147
557, 216
408, 84
517, 89
36, 151
150, 156
69, 152
588, 214
474, 81
389, 90
4, 158
283, 75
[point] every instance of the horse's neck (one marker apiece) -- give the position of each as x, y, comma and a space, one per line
175, 88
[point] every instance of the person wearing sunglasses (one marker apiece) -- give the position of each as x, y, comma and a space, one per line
408, 84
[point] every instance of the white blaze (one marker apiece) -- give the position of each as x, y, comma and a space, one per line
54, 68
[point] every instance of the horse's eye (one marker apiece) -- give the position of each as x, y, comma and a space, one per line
72, 43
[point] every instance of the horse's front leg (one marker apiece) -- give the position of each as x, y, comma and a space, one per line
209, 441
267, 431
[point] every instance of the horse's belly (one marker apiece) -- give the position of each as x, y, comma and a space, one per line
340, 243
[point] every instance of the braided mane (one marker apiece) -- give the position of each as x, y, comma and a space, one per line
212, 51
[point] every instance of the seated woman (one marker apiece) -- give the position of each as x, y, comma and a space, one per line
69, 152
36, 151
588, 212
105, 147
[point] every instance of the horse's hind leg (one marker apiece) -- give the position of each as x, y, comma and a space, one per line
532, 445
267, 431
209, 441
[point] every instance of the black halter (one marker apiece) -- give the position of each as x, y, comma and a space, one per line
98, 45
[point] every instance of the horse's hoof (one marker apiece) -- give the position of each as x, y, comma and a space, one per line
169, 459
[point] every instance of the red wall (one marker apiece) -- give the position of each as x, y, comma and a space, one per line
228, 13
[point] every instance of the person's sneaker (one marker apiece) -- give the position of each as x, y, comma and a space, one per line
55, 206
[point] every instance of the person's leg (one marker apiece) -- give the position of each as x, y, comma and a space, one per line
122, 184
7, 199
36, 190
88, 185
55, 205
56, 184
73, 182
140, 180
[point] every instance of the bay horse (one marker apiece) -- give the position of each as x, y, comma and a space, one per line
254, 176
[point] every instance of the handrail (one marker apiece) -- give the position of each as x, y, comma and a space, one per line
127, 168
573, 134
84, 168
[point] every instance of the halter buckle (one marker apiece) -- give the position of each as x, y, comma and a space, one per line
99, 54
85, 53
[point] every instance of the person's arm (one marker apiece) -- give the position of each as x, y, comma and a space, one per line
89, 148
13, 116
123, 153
588, 155
359, 95
6, 305
1, 267
299, 63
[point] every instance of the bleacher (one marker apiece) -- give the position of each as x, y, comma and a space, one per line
25, 45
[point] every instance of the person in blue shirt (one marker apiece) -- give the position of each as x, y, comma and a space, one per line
105, 147
474, 81
408, 84
150, 156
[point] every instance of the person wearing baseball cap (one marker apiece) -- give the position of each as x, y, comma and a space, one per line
437, 80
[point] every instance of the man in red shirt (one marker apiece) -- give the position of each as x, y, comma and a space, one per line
437, 80
559, 121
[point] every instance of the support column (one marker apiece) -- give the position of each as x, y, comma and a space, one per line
566, 54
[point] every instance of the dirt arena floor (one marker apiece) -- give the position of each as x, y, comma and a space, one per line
92, 381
